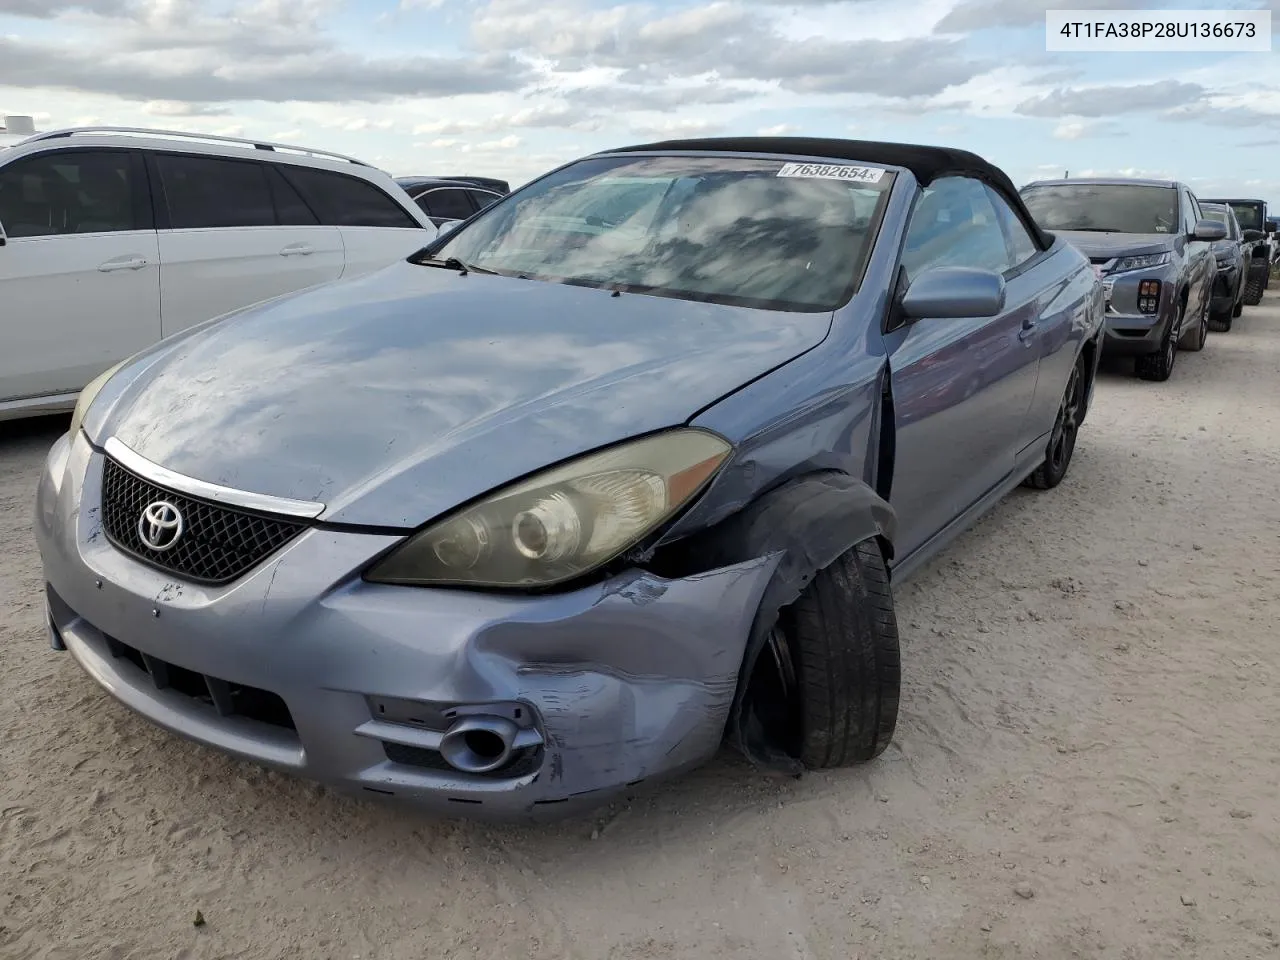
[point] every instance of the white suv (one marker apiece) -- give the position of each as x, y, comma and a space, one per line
112, 238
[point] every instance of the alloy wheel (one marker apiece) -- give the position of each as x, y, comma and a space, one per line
1068, 424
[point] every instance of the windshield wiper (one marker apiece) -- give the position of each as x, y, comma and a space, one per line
453, 263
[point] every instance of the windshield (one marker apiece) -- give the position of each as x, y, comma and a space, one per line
737, 230
1111, 208
1247, 215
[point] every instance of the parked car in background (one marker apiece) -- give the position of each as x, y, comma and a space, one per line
528, 557
449, 199
1153, 249
1232, 254
1260, 232
112, 239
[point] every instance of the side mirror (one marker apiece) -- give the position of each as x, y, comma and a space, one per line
1271, 227
1209, 231
1252, 236
447, 227
3, 236
953, 292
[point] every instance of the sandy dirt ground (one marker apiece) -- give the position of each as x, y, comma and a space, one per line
1087, 762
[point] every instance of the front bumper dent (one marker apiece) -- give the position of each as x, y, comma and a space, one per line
612, 684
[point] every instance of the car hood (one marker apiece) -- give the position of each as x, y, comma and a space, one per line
394, 397
1096, 245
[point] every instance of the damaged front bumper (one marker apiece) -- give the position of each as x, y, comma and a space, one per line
302, 666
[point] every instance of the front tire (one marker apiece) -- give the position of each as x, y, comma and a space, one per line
1062, 441
1158, 366
841, 637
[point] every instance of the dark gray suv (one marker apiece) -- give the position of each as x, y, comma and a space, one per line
1153, 248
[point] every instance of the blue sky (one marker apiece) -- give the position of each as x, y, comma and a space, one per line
513, 87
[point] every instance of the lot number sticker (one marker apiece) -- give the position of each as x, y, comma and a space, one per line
832, 171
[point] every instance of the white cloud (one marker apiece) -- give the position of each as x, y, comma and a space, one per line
1083, 129
506, 143
1109, 100
675, 128
779, 130
179, 108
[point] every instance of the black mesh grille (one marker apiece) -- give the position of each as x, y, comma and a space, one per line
217, 543
228, 699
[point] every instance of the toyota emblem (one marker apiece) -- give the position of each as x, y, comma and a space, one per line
160, 526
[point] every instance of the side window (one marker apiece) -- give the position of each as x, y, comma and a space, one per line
1188, 213
291, 211
1021, 247
955, 224
204, 192
64, 192
482, 198
345, 201
447, 204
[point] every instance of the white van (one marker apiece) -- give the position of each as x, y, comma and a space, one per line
112, 238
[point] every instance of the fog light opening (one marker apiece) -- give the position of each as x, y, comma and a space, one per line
1149, 296
485, 744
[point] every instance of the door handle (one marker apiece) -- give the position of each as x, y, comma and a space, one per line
123, 263
298, 250
1028, 330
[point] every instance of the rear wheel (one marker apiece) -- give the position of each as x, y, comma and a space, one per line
838, 653
1062, 441
1221, 322
1195, 338
1158, 366
1254, 287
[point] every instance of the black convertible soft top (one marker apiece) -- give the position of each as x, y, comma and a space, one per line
925, 163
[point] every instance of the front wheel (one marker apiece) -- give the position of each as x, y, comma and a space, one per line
1062, 441
1158, 366
839, 653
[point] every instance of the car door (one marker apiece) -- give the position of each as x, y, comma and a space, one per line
233, 232
79, 269
376, 230
962, 387
1049, 299
446, 204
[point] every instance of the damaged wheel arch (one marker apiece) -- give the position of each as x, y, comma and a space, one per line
811, 521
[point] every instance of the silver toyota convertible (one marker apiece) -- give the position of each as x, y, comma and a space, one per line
620, 468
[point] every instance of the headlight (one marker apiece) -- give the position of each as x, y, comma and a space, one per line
1140, 263
87, 395
563, 522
